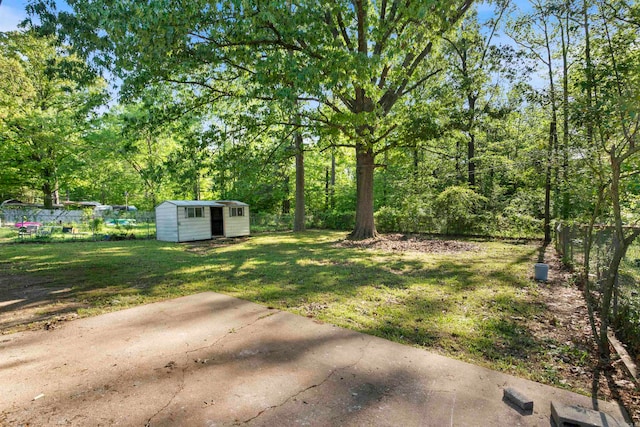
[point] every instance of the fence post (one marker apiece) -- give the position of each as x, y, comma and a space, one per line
568, 245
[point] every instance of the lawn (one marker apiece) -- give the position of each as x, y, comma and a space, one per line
83, 233
471, 304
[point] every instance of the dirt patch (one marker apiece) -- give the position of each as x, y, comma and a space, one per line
202, 247
410, 243
565, 322
26, 302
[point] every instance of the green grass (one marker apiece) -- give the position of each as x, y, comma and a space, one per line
469, 305
142, 231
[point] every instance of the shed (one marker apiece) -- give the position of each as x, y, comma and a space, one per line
188, 220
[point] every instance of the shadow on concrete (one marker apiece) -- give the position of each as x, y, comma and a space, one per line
299, 273
232, 362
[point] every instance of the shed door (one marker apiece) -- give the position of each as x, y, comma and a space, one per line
217, 227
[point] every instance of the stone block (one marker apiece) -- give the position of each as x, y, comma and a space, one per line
518, 399
576, 416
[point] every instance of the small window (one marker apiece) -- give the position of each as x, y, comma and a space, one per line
194, 212
236, 211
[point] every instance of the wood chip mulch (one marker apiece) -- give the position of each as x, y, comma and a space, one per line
410, 243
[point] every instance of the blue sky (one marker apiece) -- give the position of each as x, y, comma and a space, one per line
11, 13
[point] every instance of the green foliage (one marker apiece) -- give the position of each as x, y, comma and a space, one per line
458, 207
627, 322
351, 63
96, 225
209, 96
523, 215
334, 220
47, 98
411, 215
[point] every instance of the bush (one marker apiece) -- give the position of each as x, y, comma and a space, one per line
414, 215
387, 219
523, 215
96, 225
457, 208
335, 220
271, 222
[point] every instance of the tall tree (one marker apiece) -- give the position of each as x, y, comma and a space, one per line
535, 34
611, 118
354, 59
46, 98
474, 66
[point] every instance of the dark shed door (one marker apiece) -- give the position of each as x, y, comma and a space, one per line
217, 227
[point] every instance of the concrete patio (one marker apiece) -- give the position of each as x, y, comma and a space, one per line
209, 359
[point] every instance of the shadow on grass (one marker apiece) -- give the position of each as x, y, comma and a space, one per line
459, 302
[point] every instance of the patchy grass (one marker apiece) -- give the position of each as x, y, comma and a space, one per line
10, 234
471, 305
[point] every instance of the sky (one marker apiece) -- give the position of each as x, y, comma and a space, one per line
11, 13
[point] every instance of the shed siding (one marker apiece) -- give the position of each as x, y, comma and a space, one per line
235, 226
166, 220
172, 224
194, 228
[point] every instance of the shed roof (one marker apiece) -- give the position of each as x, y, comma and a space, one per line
231, 203
213, 203
188, 203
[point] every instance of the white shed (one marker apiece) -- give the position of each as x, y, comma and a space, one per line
188, 220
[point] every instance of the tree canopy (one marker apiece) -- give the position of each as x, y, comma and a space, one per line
358, 110
46, 98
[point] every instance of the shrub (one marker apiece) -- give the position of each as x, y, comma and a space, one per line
334, 220
96, 225
414, 215
457, 208
387, 219
627, 321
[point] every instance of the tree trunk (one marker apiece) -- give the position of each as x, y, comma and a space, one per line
620, 244
553, 141
564, 190
326, 189
471, 153
47, 195
56, 193
459, 176
196, 187
333, 179
547, 186
286, 203
298, 222
48, 187
365, 227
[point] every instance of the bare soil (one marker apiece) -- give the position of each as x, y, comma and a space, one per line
25, 303
566, 320
410, 243
204, 246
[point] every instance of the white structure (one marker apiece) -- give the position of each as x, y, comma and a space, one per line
185, 221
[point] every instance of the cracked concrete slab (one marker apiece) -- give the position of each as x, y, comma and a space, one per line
210, 360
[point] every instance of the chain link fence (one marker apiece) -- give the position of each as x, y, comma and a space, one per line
571, 243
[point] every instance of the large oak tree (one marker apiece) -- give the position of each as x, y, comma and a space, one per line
349, 62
